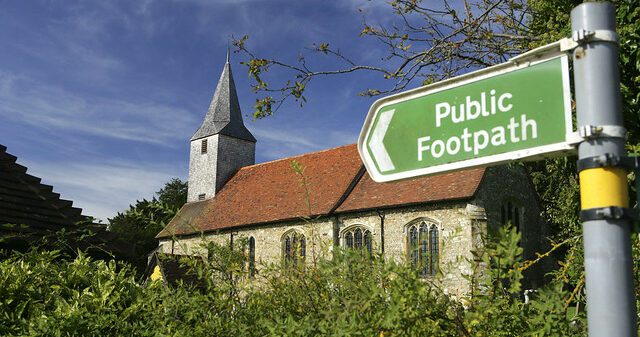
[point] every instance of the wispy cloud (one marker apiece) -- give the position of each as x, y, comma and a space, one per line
103, 189
122, 82
275, 142
51, 107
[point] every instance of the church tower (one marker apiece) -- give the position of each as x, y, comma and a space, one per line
222, 144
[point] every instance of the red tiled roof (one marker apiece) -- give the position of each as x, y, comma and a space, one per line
273, 191
454, 185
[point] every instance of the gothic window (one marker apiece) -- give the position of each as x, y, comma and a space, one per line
358, 238
423, 247
252, 256
203, 146
511, 213
294, 247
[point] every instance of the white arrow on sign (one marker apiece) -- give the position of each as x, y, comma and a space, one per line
377, 147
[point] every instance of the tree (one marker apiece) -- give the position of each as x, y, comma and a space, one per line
143, 221
174, 193
427, 42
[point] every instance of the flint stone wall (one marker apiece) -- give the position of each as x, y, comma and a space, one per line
461, 225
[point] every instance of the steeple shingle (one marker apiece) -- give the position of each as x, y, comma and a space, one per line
224, 116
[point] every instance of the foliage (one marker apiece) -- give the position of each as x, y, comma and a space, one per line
139, 225
628, 27
173, 194
556, 180
352, 294
43, 295
430, 41
424, 42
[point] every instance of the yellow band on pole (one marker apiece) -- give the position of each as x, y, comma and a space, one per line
603, 187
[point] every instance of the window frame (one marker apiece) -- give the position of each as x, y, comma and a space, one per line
422, 246
251, 243
512, 210
288, 252
348, 238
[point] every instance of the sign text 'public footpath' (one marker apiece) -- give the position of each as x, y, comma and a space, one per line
506, 112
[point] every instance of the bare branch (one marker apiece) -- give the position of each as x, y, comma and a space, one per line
427, 42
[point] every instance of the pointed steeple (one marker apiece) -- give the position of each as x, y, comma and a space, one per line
224, 116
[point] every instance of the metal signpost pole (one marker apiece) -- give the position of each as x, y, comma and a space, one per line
603, 186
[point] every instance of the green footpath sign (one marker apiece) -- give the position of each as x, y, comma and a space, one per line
506, 112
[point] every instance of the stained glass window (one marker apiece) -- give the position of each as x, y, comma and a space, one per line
358, 238
294, 247
423, 247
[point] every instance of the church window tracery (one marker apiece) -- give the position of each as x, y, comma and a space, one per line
511, 213
423, 247
358, 237
294, 247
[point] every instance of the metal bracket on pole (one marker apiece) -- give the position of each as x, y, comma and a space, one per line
611, 212
609, 160
610, 131
598, 35
630, 163
566, 44
582, 36
609, 284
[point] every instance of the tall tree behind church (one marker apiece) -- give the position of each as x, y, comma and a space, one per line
139, 224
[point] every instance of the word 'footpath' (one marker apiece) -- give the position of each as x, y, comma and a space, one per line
477, 140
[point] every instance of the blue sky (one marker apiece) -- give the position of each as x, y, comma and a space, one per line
100, 98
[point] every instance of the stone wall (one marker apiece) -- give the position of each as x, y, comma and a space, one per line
233, 153
208, 172
318, 234
461, 225
504, 184
455, 239
453, 222
202, 168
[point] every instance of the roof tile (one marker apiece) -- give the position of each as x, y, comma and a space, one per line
449, 186
274, 191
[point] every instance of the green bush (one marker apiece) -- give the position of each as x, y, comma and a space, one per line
353, 294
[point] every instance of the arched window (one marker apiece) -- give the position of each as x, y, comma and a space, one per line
294, 247
511, 213
357, 238
423, 247
252, 257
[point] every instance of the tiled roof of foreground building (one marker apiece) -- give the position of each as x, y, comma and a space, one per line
24, 200
30, 211
333, 181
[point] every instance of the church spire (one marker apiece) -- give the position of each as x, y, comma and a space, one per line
224, 116
222, 144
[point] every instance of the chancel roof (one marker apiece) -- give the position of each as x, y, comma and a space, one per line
326, 182
224, 116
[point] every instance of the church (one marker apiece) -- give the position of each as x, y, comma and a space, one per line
297, 209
